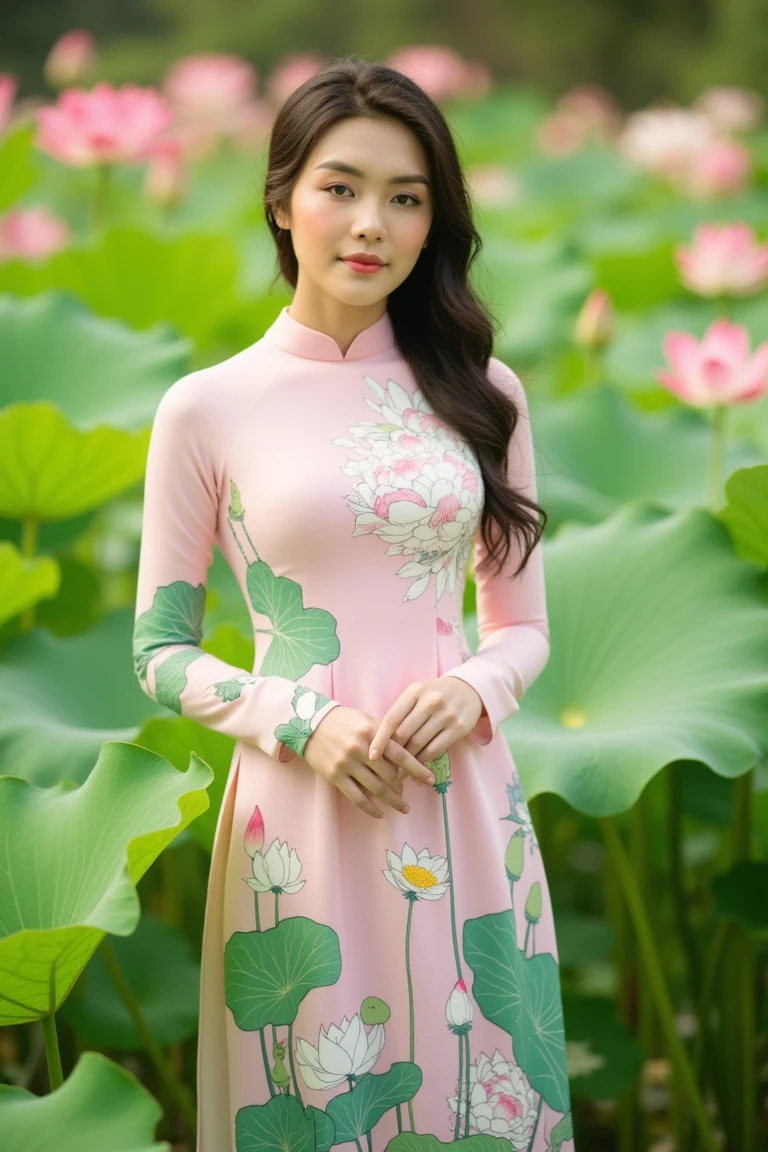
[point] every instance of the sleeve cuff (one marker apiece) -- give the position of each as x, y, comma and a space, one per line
498, 701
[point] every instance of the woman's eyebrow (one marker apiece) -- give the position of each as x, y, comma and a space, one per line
340, 166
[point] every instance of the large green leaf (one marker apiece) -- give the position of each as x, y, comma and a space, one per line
746, 513
24, 582
604, 1057
71, 858
164, 977
175, 739
596, 451
741, 894
659, 653
61, 697
189, 281
101, 1107
51, 471
97, 372
16, 171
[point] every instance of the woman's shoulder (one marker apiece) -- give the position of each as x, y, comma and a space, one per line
504, 378
210, 403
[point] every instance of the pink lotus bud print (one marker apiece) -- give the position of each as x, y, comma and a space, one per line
458, 1008
254, 833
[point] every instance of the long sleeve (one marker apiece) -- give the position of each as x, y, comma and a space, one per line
513, 627
181, 510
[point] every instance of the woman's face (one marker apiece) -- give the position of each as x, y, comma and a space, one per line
384, 208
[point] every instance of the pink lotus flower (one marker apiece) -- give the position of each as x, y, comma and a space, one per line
105, 125
8, 86
722, 168
291, 71
665, 140
584, 113
561, 134
594, 324
210, 85
441, 72
716, 370
732, 109
493, 184
723, 259
254, 833
31, 234
166, 178
71, 60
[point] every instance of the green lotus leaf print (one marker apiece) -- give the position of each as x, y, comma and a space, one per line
268, 974
176, 617
561, 1132
306, 703
171, 677
301, 637
416, 1142
521, 995
282, 1123
357, 1112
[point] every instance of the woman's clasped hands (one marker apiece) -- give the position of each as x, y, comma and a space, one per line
366, 760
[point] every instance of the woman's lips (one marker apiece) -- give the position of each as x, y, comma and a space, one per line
358, 266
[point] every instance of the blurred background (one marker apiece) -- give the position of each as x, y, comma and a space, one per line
617, 156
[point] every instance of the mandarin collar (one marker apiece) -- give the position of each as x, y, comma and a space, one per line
293, 336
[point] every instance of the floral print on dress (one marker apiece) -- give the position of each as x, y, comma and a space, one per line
507, 1099
419, 487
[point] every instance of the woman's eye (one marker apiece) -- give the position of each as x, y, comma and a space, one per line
414, 199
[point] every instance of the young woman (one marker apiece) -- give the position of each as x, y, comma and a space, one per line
379, 955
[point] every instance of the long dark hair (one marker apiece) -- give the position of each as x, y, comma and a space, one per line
442, 330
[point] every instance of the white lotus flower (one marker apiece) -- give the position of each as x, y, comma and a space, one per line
422, 876
346, 1050
419, 488
501, 1101
276, 870
458, 1007
306, 705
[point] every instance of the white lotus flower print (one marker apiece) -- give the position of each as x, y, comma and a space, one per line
421, 877
342, 1051
501, 1101
276, 870
419, 488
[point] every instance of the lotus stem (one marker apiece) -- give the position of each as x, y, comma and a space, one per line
178, 1091
658, 989
52, 1053
29, 527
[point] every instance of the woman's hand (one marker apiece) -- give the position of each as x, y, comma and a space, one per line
338, 751
428, 717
